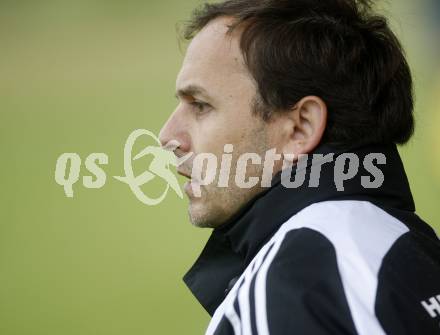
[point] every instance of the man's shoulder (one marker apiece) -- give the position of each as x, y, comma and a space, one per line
359, 240
358, 259
329, 270
336, 246
351, 230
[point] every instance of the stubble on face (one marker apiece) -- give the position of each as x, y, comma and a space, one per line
219, 204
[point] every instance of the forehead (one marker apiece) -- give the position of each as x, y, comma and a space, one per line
212, 57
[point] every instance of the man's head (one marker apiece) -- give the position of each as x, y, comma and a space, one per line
285, 75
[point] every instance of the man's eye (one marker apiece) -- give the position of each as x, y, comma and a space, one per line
201, 107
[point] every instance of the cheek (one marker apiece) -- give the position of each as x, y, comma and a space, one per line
216, 131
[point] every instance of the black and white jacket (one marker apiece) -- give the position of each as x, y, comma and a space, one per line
315, 260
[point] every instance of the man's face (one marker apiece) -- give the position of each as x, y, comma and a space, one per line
216, 95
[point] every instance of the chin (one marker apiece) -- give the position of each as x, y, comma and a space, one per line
203, 215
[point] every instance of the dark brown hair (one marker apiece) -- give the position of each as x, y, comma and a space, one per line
339, 50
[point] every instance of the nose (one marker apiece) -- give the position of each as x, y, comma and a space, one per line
175, 130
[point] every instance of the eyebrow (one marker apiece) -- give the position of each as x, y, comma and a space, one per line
191, 91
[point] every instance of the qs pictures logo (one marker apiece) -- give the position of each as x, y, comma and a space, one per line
68, 169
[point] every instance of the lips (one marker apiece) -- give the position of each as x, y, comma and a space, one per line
187, 175
182, 173
190, 185
193, 189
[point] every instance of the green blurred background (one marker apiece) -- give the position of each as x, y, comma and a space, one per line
80, 76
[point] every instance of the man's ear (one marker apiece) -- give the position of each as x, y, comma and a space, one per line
306, 126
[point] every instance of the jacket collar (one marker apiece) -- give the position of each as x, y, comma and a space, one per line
231, 247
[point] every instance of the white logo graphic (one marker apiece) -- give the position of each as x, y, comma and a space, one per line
159, 167
163, 158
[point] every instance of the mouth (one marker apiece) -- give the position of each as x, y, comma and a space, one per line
184, 174
190, 185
